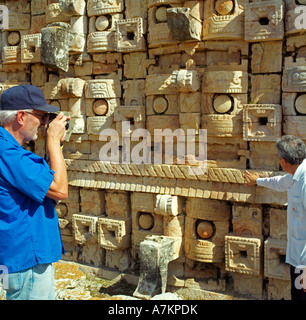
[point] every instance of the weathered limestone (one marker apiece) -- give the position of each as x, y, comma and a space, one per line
54, 46
155, 254
231, 68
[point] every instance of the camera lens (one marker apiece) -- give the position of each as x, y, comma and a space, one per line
67, 124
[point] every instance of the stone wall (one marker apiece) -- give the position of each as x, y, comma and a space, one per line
232, 67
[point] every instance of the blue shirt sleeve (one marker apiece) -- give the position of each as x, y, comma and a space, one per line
27, 172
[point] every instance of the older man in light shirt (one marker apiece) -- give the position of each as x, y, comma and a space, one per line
291, 154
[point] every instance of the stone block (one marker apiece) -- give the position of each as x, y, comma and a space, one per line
295, 125
223, 20
275, 265
95, 125
204, 237
265, 89
208, 251
158, 30
118, 259
78, 32
247, 220
183, 25
294, 103
117, 204
160, 84
135, 65
294, 79
114, 233
243, 254
71, 87
225, 81
73, 8
167, 205
249, 285
190, 121
222, 125
55, 46
206, 209
31, 48
262, 122
101, 41
102, 89
130, 113
18, 21
266, 57
190, 102
38, 75
279, 289
134, 93
92, 201
54, 13
100, 7
162, 105
155, 254
129, 35
264, 20
278, 223
144, 202
185, 80
11, 54
162, 122
84, 227
263, 155
215, 103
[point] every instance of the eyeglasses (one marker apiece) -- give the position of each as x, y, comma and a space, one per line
43, 116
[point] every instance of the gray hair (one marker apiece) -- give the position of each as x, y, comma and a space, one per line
292, 149
7, 116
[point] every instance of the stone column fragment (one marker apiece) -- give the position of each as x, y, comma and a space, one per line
55, 46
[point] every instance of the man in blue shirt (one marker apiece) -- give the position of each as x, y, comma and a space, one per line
29, 229
291, 154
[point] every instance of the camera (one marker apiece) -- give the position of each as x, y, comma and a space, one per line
52, 116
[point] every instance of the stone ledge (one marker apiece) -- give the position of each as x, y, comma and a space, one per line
219, 184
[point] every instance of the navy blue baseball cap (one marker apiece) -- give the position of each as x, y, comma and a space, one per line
25, 96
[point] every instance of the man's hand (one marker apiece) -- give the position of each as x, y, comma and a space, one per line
251, 178
56, 129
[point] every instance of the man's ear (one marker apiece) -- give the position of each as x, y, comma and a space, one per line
20, 117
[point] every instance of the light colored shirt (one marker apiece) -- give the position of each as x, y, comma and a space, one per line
295, 185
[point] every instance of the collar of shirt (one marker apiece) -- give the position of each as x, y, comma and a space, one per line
8, 137
299, 171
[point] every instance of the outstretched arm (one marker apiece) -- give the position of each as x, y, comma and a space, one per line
277, 183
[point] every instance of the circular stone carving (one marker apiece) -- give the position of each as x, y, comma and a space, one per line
61, 210
222, 103
224, 7
300, 104
205, 229
161, 14
146, 221
13, 38
100, 107
55, 104
160, 105
102, 23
